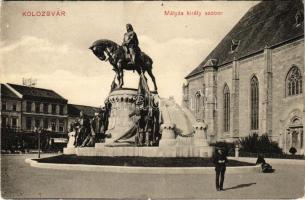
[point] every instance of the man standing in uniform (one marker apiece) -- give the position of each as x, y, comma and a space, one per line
131, 42
220, 161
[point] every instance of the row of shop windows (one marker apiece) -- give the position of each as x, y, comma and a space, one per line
50, 124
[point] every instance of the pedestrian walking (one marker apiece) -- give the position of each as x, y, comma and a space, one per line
220, 160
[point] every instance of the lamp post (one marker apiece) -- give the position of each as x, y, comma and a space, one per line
237, 150
38, 130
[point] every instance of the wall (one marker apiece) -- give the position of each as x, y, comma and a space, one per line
10, 113
194, 84
41, 115
247, 69
282, 60
224, 76
271, 68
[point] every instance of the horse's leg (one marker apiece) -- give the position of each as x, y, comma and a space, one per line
144, 75
152, 78
122, 77
120, 74
119, 79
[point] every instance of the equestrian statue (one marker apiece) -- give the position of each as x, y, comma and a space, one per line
128, 56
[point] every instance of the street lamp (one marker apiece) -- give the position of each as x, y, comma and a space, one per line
38, 131
236, 149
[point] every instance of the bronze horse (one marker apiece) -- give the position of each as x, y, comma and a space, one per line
118, 58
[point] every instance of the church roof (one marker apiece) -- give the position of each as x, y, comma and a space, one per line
268, 23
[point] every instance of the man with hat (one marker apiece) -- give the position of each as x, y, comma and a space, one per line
220, 160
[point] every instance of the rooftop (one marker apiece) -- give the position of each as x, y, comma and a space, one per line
38, 93
7, 93
89, 111
268, 23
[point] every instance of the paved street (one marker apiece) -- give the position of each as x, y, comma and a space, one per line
20, 180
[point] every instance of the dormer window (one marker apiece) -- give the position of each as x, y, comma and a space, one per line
211, 63
299, 18
234, 45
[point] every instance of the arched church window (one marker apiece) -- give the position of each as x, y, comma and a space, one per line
294, 82
254, 103
226, 108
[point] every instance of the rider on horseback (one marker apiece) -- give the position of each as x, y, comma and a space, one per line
131, 43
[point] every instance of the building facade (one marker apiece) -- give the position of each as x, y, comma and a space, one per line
33, 108
253, 81
25, 108
10, 109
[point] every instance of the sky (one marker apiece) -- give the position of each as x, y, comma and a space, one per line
54, 49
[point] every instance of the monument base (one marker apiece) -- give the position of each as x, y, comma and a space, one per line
69, 150
173, 151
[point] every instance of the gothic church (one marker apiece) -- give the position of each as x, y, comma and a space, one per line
253, 81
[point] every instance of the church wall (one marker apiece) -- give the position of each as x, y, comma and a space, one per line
247, 69
195, 84
224, 76
282, 108
282, 60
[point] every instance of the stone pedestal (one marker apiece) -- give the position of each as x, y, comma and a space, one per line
236, 152
168, 135
122, 106
165, 151
200, 136
69, 151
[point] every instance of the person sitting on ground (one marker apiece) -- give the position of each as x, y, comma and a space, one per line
265, 167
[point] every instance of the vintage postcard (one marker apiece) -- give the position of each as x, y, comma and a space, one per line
152, 99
